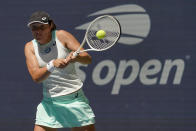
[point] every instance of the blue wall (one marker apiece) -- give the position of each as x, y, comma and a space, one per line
144, 83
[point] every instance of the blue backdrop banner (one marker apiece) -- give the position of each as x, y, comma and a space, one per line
146, 82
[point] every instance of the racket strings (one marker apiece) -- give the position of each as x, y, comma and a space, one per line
112, 29
97, 44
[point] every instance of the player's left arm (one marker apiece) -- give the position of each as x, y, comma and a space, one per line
70, 42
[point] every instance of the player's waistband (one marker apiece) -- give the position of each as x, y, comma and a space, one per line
64, 98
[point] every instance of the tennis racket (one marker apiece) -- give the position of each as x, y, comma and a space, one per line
107, 23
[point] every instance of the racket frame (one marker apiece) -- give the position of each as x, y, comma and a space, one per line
85, 40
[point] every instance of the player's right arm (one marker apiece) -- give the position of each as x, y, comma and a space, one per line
38, 74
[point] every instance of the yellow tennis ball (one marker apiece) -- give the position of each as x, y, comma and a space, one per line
100, 34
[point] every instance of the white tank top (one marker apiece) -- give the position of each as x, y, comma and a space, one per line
61, 81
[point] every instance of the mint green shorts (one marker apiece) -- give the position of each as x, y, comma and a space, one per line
67, 111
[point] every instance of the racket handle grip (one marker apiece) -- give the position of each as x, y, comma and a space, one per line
75, 53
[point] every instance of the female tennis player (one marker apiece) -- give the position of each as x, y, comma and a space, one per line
50, 60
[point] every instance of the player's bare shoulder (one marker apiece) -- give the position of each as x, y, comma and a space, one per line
28, 48
64, 37
62, 33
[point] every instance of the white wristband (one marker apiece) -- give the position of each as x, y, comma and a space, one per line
50, 66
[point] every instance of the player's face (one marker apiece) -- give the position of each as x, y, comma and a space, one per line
41, 32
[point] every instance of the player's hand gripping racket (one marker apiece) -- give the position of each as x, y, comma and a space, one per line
101, 34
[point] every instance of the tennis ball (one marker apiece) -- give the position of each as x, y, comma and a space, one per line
100, 34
